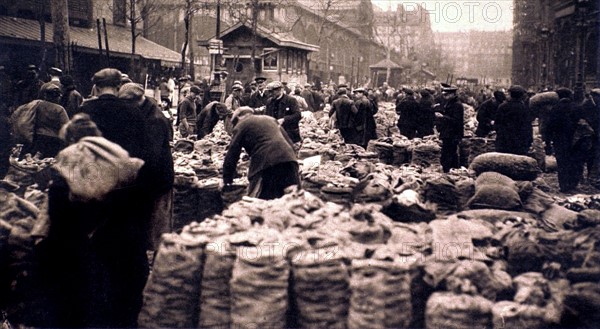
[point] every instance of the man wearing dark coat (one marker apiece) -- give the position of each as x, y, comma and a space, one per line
345, 112
560, 129
285, 109
365, 122
71, 99
450, 124
124, 244
157, 173
273, 162
28, 89
186, 113
259, 98
486, 113
408, 111
210, 116
426, 117
514, 131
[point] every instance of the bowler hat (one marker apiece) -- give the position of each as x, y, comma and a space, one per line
108, 77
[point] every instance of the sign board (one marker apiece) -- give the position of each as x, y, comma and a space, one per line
215, 46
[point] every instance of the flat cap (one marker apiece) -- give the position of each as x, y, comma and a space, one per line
260, 79
195, 89
307, 85
125, 78
108, 77
237, 86
343, 85
131, 91
359, 90
408, 91
274, 85
50, 87
240, 113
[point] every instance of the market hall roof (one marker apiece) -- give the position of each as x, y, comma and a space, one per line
281, 39
384, 64
14, 30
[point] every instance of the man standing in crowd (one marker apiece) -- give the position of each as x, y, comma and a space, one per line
486, 113
273, 162
514, 131
284, 108
28, 89
165, 92
343, 113
186, 113
561, 128
259, 98
450, 123
426, 116
302, 105
157, 172
55, 73
71, 99
365, 123
125, 241
408, 111
43, 119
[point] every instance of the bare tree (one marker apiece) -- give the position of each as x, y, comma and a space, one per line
390, 25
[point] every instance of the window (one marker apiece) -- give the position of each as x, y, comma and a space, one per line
119, 12
270, 62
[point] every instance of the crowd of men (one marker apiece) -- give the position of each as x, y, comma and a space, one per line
94, 256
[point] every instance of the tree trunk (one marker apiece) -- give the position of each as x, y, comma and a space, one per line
133, 20
191, 45
186, 22
254, 25
60, 19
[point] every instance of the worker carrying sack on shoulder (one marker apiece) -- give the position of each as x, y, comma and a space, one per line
23, 122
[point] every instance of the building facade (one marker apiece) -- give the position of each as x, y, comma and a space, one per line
482, 55
556, 43
342, 34
22, 41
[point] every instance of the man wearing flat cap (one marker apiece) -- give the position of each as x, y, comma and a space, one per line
123, 124
186, 113
273, 163
514, 131
285, 109
28, 89
450, 124
408, 112
258, 100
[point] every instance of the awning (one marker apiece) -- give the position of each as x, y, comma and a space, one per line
17, 30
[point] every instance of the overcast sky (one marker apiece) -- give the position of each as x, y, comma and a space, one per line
451, 16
